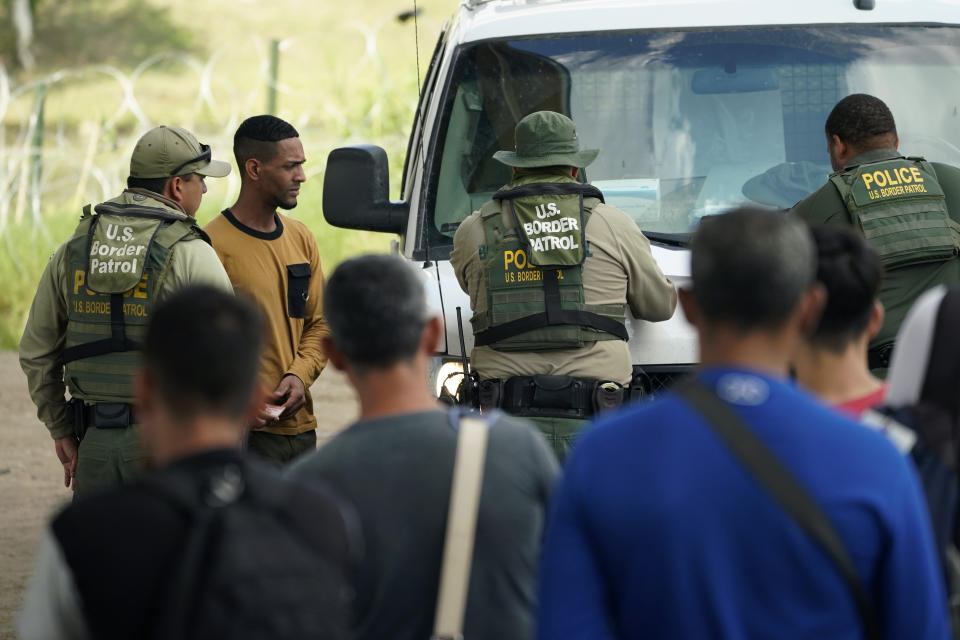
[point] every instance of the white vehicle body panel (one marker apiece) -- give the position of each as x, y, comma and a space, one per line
673, 341
516, 19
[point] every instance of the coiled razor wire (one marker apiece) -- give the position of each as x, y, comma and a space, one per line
89, 163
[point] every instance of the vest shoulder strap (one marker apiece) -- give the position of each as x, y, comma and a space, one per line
83, 227
170, 234
489, 209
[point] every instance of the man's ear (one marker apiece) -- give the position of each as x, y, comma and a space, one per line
334, 356
251, 169
689, 305
174, 189
432, 332
810, 308
839, 146
876, 320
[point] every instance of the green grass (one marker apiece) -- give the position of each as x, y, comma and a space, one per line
209, 77
24, 252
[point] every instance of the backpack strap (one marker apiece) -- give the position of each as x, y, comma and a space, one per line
197, 501
473, 432
781, 484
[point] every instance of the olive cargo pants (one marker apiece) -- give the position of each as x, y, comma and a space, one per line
280, 449
559, 432
107, 457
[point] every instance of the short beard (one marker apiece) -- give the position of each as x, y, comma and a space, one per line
286, 205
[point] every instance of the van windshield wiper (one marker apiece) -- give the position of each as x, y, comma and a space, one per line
671, 239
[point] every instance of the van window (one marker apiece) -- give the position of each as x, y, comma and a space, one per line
689, 123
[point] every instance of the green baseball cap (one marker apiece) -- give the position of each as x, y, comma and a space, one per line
166, 151
546, 139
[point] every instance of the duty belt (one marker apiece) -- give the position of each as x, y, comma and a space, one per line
108, 415
100, 415
551, 396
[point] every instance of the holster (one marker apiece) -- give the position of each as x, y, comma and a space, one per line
489, 393
77, 418
467, 391
637, 388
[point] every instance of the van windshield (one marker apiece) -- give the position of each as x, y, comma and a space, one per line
690, 123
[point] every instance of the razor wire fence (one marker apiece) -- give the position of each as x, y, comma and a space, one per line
52, 161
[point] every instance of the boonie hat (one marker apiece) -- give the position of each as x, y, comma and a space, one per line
165, 151
546, 139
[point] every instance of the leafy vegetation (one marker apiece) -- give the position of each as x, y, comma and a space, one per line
343, 77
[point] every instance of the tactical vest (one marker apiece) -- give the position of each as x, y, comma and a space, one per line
534, 272
115, 261
901, 210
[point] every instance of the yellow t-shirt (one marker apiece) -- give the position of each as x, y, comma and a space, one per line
280, 273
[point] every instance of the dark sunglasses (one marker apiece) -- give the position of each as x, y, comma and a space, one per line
204, 155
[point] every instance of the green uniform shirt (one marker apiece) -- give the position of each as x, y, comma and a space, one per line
901, 285
192, 262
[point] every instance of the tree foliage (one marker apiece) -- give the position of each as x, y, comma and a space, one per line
77, 32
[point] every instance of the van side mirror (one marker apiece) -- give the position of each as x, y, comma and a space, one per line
356, 191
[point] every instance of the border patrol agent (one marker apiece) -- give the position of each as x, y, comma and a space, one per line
95, 298
907, 209
550, 269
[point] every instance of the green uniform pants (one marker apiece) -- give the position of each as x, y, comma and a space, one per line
281, 449
106, 458
560, 433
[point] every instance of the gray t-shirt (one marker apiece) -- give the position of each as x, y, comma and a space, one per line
397, 472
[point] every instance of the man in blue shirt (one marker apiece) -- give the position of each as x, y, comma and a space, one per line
658, 531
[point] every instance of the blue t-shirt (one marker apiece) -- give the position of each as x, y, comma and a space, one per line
657, 531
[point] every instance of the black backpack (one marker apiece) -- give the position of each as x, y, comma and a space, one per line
939, 480
264, 558
931, 450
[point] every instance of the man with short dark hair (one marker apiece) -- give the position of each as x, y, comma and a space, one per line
659, 529
96, 296
832, 361
395, 465
907, 208
113, 565
273, 260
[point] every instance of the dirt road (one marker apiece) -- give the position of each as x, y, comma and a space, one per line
31, 486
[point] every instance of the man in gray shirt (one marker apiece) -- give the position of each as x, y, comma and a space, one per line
396, 464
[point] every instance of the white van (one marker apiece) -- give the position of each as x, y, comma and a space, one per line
696, 106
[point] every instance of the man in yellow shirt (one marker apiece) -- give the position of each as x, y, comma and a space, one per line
273, 260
